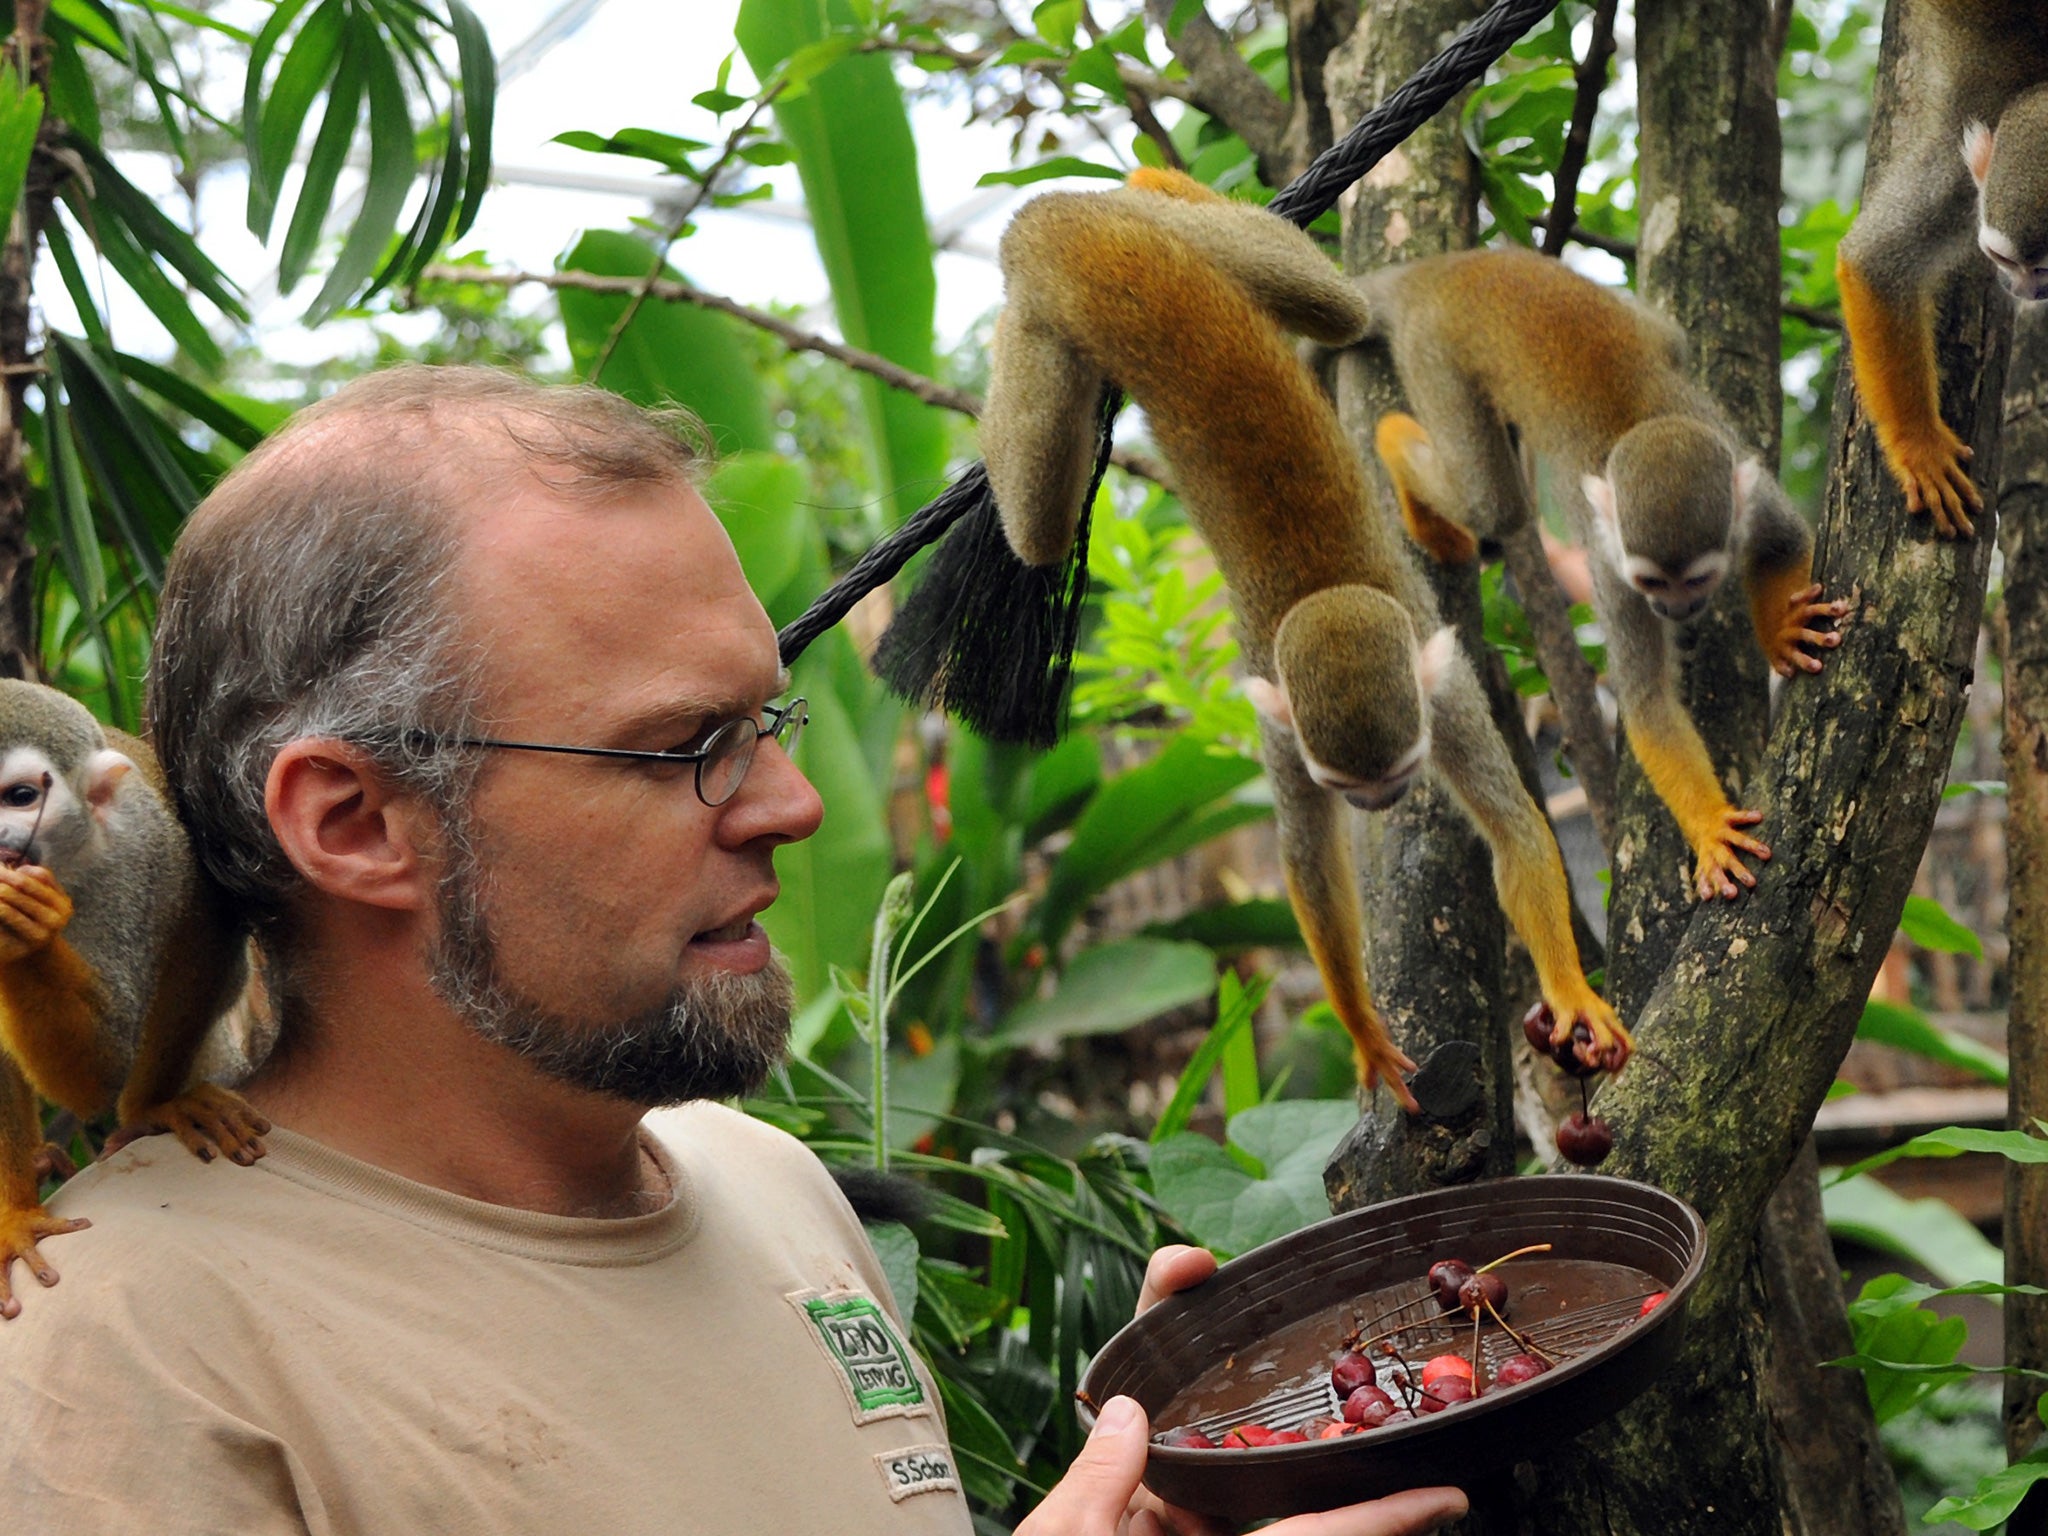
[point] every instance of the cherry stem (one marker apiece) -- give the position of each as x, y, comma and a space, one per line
1475, 1351
1585, 1104
1529, 1346
1532, 1248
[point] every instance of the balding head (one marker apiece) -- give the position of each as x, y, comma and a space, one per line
310, 593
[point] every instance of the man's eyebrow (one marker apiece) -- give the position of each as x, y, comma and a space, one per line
701, 707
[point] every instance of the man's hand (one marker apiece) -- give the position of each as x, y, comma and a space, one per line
1101, 1496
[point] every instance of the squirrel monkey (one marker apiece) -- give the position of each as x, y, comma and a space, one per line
1173, 292
1490, 344
1978, 114
114, 959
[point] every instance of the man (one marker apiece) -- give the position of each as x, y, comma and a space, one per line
463, 693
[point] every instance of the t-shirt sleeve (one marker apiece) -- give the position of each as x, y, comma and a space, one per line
96, 1439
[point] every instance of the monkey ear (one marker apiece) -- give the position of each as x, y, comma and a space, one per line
104, 771
1433, 659
1978, 144
1270, 700
1749, 473
1599, 493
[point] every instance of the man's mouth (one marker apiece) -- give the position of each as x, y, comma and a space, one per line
731, 933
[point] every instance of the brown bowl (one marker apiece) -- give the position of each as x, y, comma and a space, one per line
1371, 1264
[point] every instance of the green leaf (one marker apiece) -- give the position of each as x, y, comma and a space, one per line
1950, 1141
273, 137
664, 149
1908, 1029
92, 24
1056, 21
858, 162
1047, 170
1231, 1210
1931, 1233
1235, 1007
478, 108
1265, 922
1928, 925
1996, 1495
394, 160
759, 498
1110, 988
323, 165
155, 233
21, 114
671, 354
895, 1246
1956, 790
1097, 67
987, 1461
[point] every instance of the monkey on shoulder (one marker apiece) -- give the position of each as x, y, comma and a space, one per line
115, 959
1972, 129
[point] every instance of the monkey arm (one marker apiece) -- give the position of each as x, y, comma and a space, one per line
1322, 884
23, 1221
1777, 567
1886, 267
1528, 873
1643, 672
160, 1095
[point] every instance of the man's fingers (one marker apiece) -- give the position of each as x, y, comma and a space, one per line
1400, 1514
1174, 1268
1092, 1498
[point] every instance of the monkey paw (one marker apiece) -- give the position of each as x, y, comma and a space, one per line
1930, 471
1787, 651
1611, 1045
1383, 1062
1404, 447
204, 1118
1719, 853
20, 1228
51, 1164
33, 910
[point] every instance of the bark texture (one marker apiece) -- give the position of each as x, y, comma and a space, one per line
1746, 1022
2023, 536
1435, 937
28, 54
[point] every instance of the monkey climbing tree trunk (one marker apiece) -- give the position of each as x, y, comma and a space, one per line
1744, 1025
28, 54
1435, 940
2023, 536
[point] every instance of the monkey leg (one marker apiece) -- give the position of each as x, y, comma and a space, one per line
1404, 447
1891, 346
1315, 856
1528, 872
23, 1220
1783, 609
160, 1095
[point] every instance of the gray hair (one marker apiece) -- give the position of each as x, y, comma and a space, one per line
308, 593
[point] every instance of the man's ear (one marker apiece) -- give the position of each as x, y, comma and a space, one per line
1270, 700
343, 826
1433, 659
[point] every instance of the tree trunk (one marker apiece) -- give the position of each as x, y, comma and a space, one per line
1435, 937
28, 54
1748, 1020
2023, 536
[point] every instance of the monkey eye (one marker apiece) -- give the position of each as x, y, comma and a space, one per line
20, 796
1696, 582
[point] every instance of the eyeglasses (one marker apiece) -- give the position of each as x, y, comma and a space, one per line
722, 762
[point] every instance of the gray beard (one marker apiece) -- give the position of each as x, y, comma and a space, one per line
714, 1037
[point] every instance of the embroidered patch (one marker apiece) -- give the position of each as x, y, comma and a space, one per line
918, 1469
873, 1364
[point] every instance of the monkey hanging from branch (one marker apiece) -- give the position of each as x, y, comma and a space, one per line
1973, 128
1178, 296
1504, 349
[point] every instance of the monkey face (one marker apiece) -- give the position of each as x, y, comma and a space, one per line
1666, 510
45, 817
1678, 595
2012, 216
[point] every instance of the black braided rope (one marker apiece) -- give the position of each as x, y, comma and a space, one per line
1305, 199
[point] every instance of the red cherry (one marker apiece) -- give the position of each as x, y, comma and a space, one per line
1449, 1390
1369, 1406
1287, 1437
1349, 1374
1445, 1276
1517, 1369
1650, 1303
1537, 1024
1438, 1367
1476, 1294
1336, 1431
1190, 1438
1247, 1436
1583, 1141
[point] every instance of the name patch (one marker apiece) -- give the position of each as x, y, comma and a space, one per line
918, 1469
873, 1364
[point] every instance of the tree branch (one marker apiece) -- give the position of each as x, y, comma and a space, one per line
1564, 209
794, 337
1573, 686
1221, 84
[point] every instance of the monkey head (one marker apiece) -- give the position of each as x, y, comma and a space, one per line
1667, 509
58, 778
2008, 165
1353, 687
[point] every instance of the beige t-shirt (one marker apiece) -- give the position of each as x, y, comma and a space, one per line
315, 1345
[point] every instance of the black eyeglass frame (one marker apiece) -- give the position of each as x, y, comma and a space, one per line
785, 722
